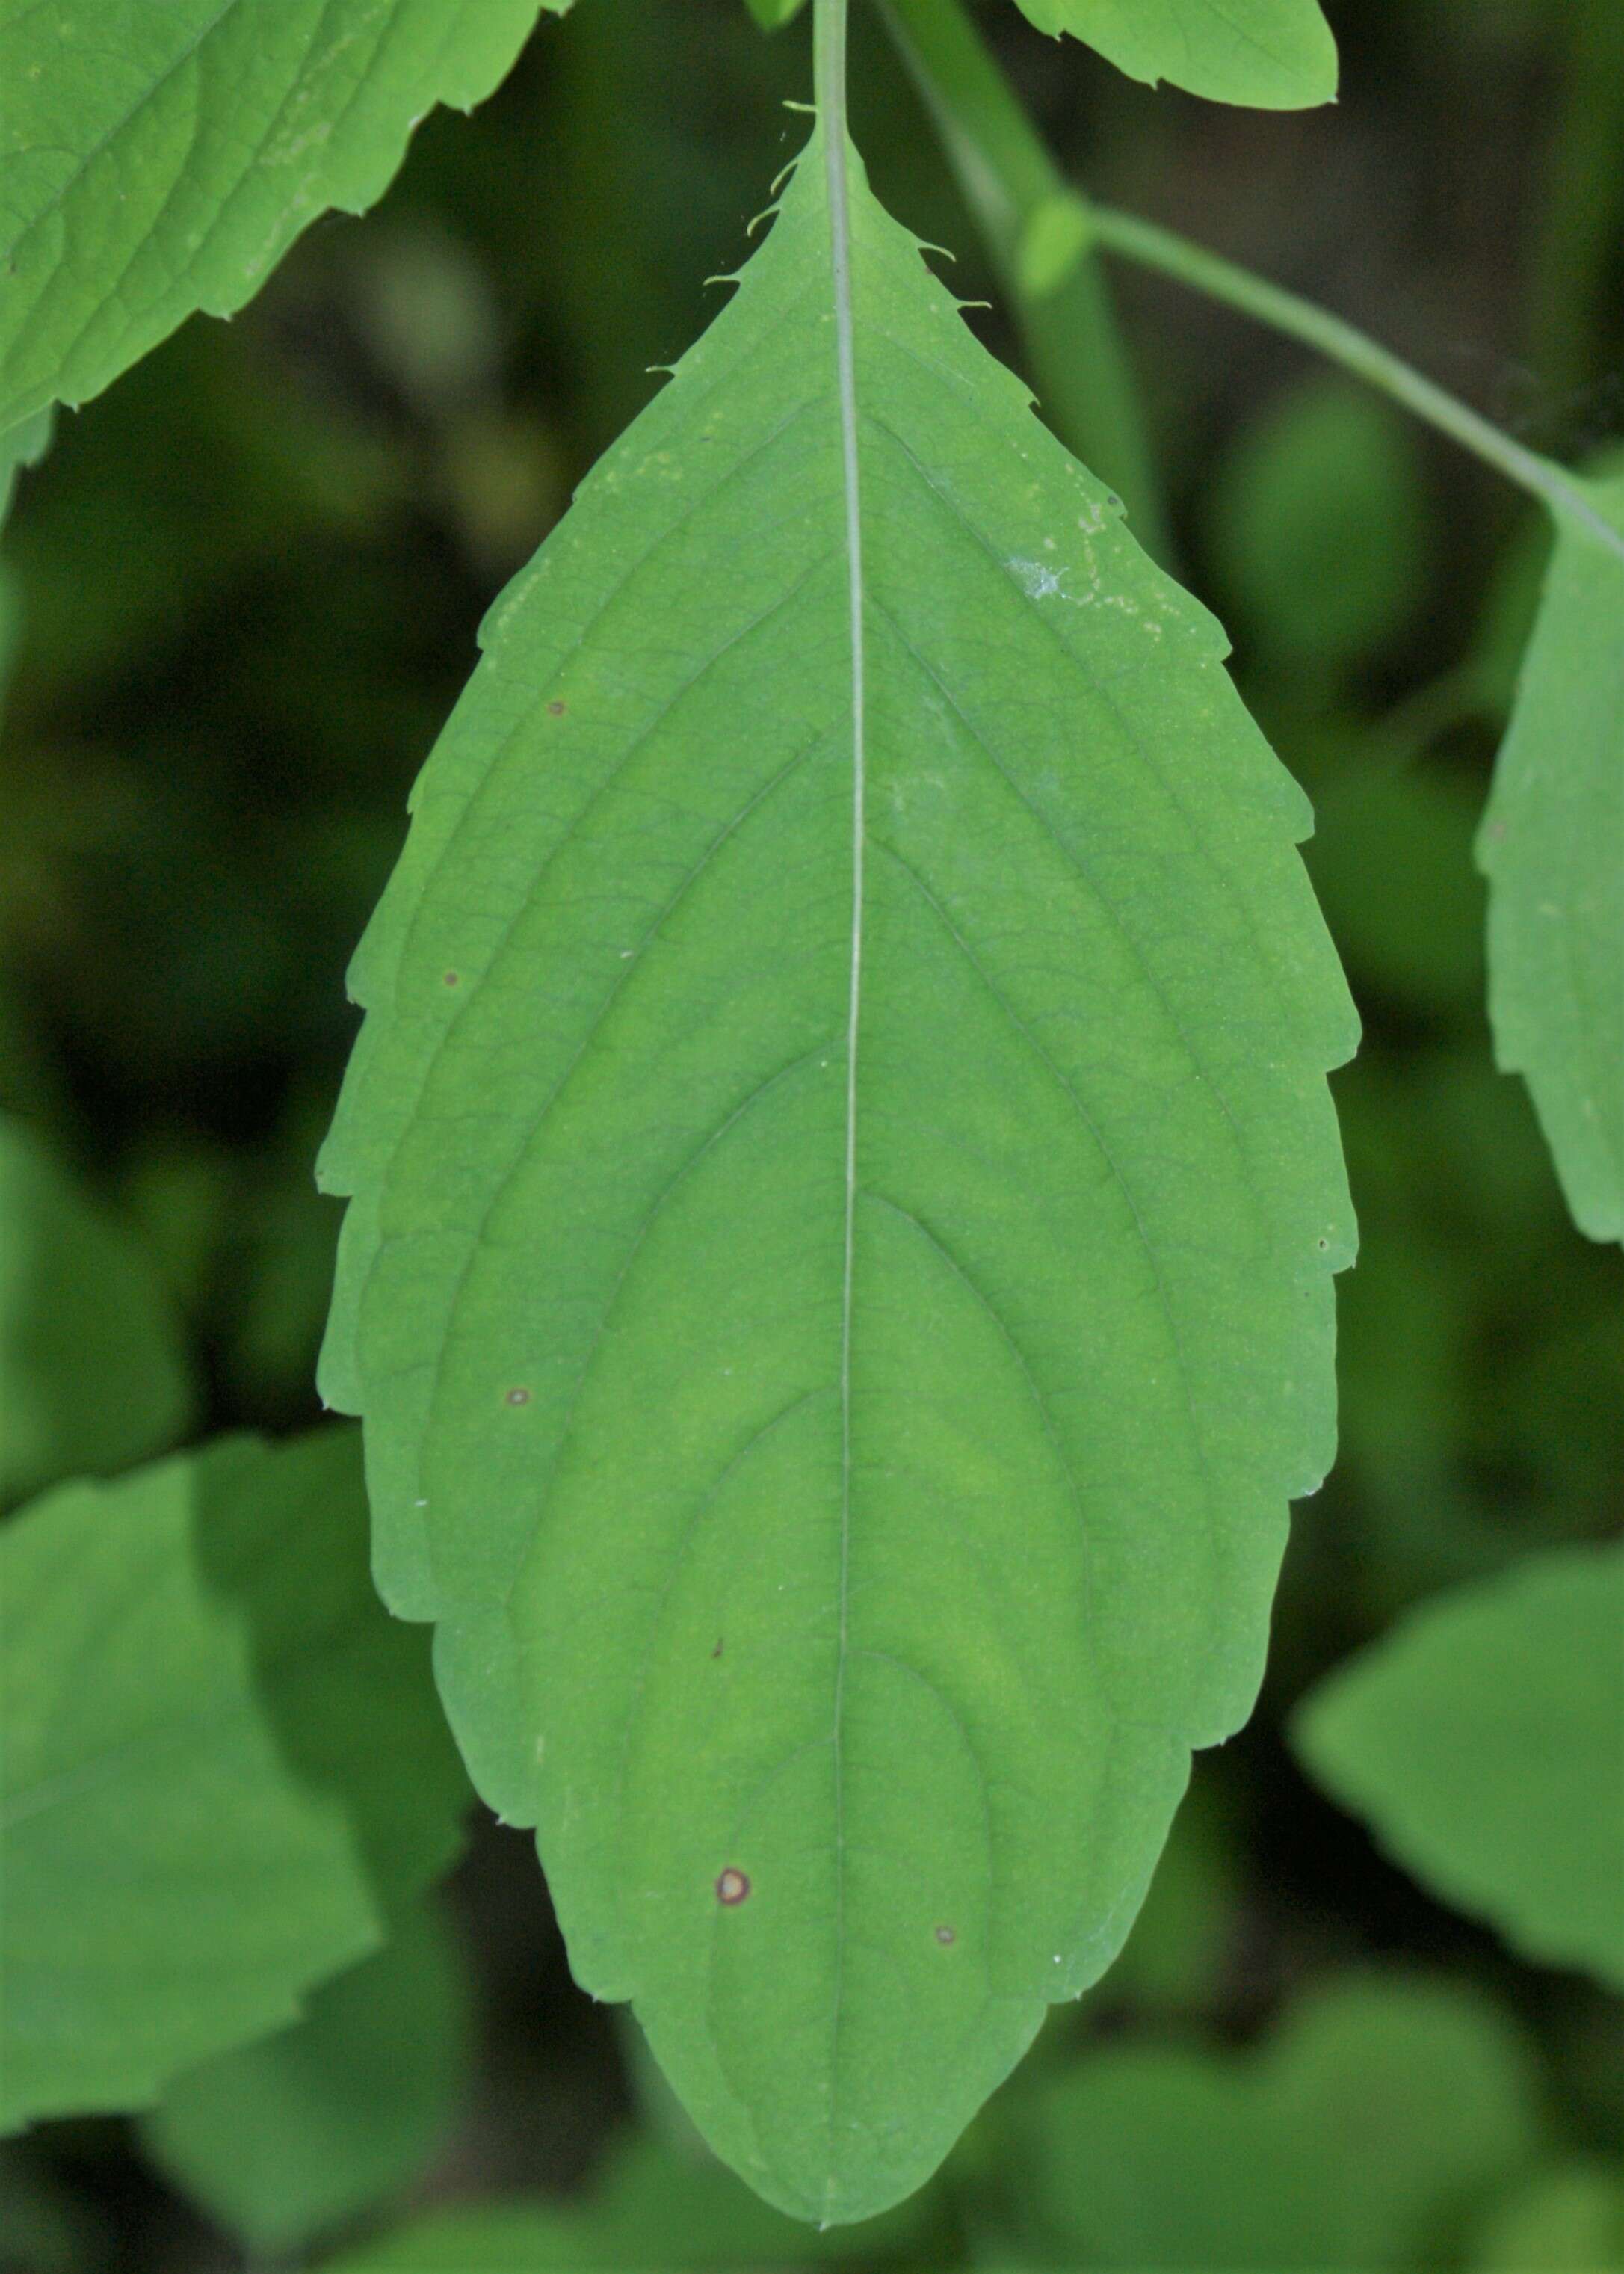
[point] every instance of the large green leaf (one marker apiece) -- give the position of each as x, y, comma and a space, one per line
223, 1763
1359, 2137
157, 160
282, 2139
92, 1375
1276, 54
844, 1203
1484, 1739
1552, 847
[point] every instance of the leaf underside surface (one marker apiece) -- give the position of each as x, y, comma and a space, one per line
92, 1370
844, 1195
1483, 1740
159, 160
223, 1763
1553, 849
1273, 55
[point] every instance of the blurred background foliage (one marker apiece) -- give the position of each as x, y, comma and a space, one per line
244, 588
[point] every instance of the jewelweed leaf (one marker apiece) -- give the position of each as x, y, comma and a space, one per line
158, 161
1567, 2219
1273, 55
647, 2207
1483, 1739
1553, 849
1317, 527
224, 1762
281, 2139
1162, 2157
93, 1370
844, 1195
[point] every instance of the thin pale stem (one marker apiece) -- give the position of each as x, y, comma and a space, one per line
829, 64
1316, 327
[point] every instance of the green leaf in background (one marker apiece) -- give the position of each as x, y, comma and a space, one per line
1274, 55
772, 15
1417, 944
224, 1763
649, 2211
155, 161
844, 1199
1317, 530
1566, 2220
1553, 849
1483, 1741
1359, 2137
22, 446
44, 2227
19, 447
92, 1374
280, 2140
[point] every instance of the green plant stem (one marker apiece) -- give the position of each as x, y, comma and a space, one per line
1316, 327
1007, 174
1079, 361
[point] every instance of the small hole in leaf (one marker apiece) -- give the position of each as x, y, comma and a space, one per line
518, 1397
556, 709
732, 1887
453, 978
944, 1935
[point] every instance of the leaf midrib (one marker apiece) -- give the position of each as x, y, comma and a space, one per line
831, 35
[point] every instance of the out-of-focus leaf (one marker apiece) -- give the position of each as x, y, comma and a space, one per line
1484, 1740
651, 2210
92, 1376
734, 1600
1419, 940
1317, 530
1274, 55
1359, 2137
159, 160
1510, 611
282, 1244
224, 1762
1553, 849
772, 15
1174, 1955
281, 2139
44, 2229
203, 468
21, 446
1568, 2220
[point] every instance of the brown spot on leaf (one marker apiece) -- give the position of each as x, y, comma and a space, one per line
556, 709
717, 1652
732, 1887
944, 1935
453, 978
518, 1397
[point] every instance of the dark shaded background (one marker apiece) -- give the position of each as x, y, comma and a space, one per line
251, 575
